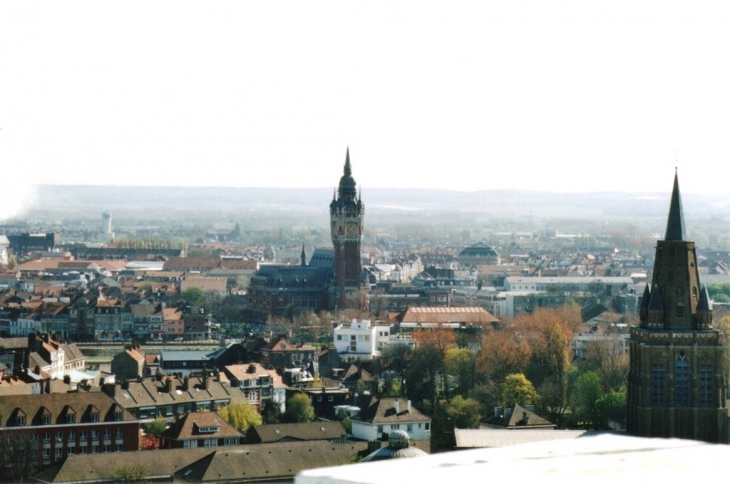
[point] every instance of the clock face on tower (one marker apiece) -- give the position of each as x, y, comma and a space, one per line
351, 228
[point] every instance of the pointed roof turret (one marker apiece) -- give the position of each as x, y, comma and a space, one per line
704, 304
655, 302
675, 222
646, 297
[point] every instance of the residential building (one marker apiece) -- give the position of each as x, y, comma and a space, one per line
166, 396
196, 429
255, 382
381, 416
61, 424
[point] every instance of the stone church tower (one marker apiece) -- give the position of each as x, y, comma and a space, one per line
677, 373
347, 214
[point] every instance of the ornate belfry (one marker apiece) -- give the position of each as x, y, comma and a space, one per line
347, 213
677, 372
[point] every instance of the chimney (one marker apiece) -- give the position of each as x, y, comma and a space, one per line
185, 383
168, 384
205, 380
251, 368
409, 406
396, 406
48, 386
213, 408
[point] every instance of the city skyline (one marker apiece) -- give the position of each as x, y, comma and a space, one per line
565, 97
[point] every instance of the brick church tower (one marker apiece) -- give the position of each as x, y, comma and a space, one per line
347, 214
677, 373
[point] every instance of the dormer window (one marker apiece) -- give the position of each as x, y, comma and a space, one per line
46, 419
118, 415
20, 420
71, 418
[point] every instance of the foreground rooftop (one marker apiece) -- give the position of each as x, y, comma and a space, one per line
594, 459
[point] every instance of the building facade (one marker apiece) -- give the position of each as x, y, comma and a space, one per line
677, 373
347, 216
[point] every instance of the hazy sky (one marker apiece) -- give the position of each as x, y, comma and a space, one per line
559, 96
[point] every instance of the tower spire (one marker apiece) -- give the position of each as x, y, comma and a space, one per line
675, 222
348, 169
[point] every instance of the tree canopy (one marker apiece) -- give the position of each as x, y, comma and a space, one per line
241, 416
517, 389
299, 409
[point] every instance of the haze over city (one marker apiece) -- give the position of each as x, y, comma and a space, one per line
562, 97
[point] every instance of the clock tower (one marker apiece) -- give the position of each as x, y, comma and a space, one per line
347, 214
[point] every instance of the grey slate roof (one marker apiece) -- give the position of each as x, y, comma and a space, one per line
299, 431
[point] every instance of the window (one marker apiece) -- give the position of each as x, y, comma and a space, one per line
680, 311
339, 337
107, 433
120, 447
94, 449
353, 337
119, 434
34, 438
107, 448
59, 452
705, 386
395, 427
20, 420
367, 337
71, 435
330, 398
71, 450
46, 419
319, 399
82, 435
682, 381
380, 429
82, 450
59, 436
94, 435
46, 436
119, 415
210, 443
71, 418
94, 416
428, 425
409, 427
658, 393
190, 443
46, 453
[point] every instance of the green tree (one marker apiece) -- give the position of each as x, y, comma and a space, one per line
605, 406
154, 428
299, 409
516, 388
271, 413
241, 416
587, 392
461, 363
194, 295
344, 419
463, 412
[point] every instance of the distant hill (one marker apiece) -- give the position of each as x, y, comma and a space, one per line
377, 200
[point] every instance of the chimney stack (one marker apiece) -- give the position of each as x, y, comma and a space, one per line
185, 383
396, 406
409, 406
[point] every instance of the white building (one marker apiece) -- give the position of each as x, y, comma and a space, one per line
388, 414
360, 338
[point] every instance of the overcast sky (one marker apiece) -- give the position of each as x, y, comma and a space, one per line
559, 96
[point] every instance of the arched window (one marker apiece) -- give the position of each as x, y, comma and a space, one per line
682, 381
680, 311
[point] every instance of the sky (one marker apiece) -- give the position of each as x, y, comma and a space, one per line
558, 96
